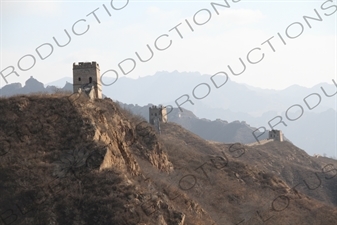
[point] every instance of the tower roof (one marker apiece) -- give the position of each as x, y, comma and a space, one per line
82, 65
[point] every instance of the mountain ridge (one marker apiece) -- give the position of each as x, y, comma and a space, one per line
66, 159
255, 112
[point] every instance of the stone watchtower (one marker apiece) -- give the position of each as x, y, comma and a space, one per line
87, 78
157, 114
276, 135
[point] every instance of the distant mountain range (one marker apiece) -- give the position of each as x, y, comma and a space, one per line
217, 130
315, 131
32, 86
232, 101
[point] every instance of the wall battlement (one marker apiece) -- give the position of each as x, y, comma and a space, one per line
83, 65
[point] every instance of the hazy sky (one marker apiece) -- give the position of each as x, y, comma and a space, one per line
306, 60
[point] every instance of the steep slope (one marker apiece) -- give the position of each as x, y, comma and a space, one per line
316, 177
67, 160
236, 183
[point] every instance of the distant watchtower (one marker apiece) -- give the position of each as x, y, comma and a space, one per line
276, 135
87, 77
157, 115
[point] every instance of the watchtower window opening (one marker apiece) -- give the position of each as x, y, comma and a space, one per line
90, 80
79, 79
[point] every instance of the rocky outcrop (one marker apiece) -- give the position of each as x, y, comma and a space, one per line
92, 145
121, 137
150, 148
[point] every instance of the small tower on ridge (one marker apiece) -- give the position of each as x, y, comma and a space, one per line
276, 135
157, 115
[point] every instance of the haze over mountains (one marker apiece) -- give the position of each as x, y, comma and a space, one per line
314, 131
228, 100
217, 130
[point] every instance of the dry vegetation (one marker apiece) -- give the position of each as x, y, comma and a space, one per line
251, 185
67, 160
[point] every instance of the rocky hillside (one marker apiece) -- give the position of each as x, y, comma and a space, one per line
275, 183
68, 160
